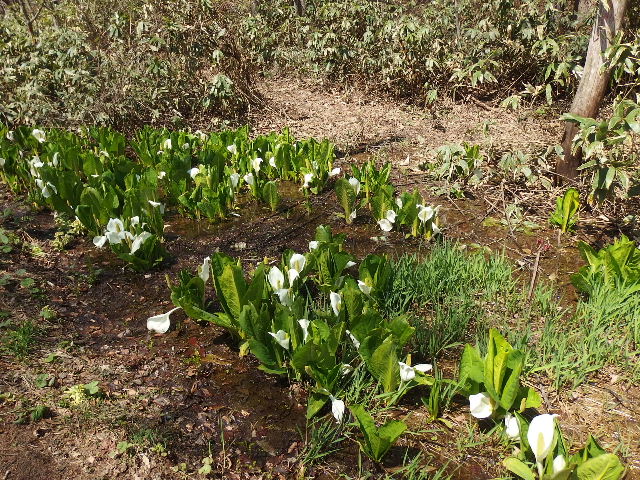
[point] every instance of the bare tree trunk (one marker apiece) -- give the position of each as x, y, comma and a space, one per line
593, 83
301, 7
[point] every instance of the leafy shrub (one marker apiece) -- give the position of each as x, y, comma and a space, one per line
123, 65
412, 50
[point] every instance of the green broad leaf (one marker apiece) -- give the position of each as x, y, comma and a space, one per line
264, 353
401, 330
372, 443
384, 366
85, 215
471, 367
511, 388
346, 197
270, 195
519, 468
591, 450
392, 430
531, 399
378, 441
315, 402
603, 467
232, 289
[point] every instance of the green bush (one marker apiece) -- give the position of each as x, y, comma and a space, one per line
413, 50
123, 65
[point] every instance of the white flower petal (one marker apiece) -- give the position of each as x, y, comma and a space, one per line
39, 135
407, 373
204, 270
481, 405
559, 464
355, 184
304, 324
354, 340
293, 274
313, 245
364, 288
336, 302
285, 296
297, 262
282, 338
160, 323
385, 225
235, 178
423, 367
276, 279
139, 240
100, 241
541, 435
512, 427
337, 408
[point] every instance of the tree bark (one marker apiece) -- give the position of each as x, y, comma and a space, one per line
301, 7
593, 83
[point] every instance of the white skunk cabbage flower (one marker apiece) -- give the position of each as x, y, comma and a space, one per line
304, 324
161, 175
138, 240
511, 427
354, 340
166, 145
355, 184
337, 408
408, 373
292, 274
276, 279
297, 262
255, 164
193, 172
115, 231
249, 179
336, 302
352, 217
541, 435
235, 179
334, 172
272, 162
160, 323
385, 225
364, 288
559, 464
232, 149
39, 135
350, 264
285, 296
282, 338
308, 178
425, 212
481, 405
157, 205
204, 270
313, 245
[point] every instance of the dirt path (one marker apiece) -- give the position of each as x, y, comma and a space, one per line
356, 120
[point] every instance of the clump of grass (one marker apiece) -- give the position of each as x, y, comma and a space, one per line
20, 340
447, 292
